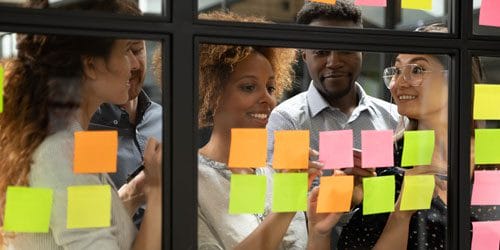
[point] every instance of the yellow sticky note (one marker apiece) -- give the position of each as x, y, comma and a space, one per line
417, 192
89, 206
2, 75
291, 149
248, 148
335, 194
95, 152
324, 1
27, 210
486, 102
417, 4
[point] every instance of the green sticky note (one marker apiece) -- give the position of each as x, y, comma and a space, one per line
487, 143
486, 102
247, 194
417, 192
1, 87
378, 194
89, 206
417, 4
289, 192
418, 148
27, 210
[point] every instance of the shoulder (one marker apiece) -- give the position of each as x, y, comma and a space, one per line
293, 109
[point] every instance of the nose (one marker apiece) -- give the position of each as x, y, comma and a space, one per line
268, 98
403, 80
134, 62
333, 60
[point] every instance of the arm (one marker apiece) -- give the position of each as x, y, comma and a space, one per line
132, 194
395, 234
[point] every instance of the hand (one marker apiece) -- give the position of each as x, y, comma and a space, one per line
152, 165
359, 174
132, 193
320, 224
314, 168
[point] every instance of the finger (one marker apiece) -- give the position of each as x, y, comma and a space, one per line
313, 152
363, 172
313, 195
316, 165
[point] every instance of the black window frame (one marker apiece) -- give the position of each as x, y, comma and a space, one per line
181, 33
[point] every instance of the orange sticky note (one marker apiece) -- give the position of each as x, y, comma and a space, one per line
291, 149
248, 148
324, 1
335, 194
95, 152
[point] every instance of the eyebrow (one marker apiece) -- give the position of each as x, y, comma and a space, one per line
413, 60
251, 76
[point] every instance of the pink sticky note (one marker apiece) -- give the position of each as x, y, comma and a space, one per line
485, 235
380, 3
488, 14
335, 149
485, 190
377, 148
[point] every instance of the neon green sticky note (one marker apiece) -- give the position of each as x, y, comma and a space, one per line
289, 192
1, 88
417, 4
89, 206
417, 192
378, 194
27, 210
418, 148
247, 194
487, 143
486, 102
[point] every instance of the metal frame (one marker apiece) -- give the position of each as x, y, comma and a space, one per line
181, 33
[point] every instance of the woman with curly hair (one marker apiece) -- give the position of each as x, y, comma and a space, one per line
53, 88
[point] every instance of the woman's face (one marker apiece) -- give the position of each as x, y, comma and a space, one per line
248, 96
420, 88
111, 83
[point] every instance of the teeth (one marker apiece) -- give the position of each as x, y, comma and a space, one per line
407, 97
259, 116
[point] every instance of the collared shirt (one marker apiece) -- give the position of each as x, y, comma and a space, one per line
132, 138
310, 111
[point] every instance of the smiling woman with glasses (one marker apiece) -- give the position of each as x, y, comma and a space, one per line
412, 73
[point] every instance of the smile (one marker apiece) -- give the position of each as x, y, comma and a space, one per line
259, 116
407, 97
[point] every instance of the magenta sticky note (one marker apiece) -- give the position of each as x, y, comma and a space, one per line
485, 189
335, 149
380, 3
485, 235
488, 14
377, 148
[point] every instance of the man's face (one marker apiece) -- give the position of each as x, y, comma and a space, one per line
333, 72
138, 75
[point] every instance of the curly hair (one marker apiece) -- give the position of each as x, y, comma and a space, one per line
342, 10
42, 88
217, 62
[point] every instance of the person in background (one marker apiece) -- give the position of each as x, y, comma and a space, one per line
56, 84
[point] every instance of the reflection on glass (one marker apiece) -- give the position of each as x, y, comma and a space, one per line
59, 89
391, 17
147, 7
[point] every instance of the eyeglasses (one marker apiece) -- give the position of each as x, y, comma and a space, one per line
412, 73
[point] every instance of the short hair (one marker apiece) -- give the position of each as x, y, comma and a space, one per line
217, 62
342, 10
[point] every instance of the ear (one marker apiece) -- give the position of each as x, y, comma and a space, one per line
89, 67
303, 53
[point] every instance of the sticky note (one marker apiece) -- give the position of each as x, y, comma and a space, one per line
2, 76
247, 194
291, 149
335, 194
487, 100
417, 4
335, 149
485, 235
487, 143
289, 192
417, 192
380, 3
418, 148
27, 210
378, 194
488, 14
89, 206
324, 1
95, 152
377, 147
248, 148
485, 189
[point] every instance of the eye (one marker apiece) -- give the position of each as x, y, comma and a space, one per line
271, 89
136, 51
321, 52
417, 70
248, 87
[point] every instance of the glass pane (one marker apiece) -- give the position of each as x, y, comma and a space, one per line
78, 116
487, 24
260, 113
132, 7
404, 15
485, 165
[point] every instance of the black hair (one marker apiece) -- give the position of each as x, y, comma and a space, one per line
342, 10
